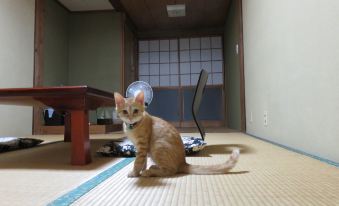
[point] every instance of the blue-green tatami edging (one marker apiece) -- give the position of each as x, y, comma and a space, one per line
84, 188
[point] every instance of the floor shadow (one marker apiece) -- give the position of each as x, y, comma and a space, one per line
158, 181
56, 155
150, 182
223, 149
238, 173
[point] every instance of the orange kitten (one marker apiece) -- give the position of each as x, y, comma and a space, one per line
161, 141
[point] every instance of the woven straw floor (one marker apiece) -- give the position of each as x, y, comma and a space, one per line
265, 175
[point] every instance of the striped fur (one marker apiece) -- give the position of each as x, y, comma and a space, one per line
160, 140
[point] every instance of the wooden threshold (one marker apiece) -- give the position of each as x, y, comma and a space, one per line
93, 129
205, 123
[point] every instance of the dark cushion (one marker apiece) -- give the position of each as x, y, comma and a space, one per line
125, 148
13, 143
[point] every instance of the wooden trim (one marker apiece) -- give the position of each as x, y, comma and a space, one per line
227, 79
119, 7
63, 6
38, 60
191, 124
135, 57
185, 87
242, 73
93, 129
163, 34
122, 54
223, 95
38, 43
93, 11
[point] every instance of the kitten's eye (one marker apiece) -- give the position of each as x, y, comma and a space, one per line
135, 111
124, 111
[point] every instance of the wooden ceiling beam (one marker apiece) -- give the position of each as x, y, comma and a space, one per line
119, 7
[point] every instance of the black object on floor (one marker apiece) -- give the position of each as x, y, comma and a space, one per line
199, 91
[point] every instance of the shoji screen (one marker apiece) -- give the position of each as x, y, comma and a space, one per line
201, 53
159, 62
172, 67
177, 62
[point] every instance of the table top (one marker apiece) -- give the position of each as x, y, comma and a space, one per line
62, 98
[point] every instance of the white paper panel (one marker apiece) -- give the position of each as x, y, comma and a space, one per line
207, 66
154, 45
174, 57
205, 43
154, 69
164, 69
194, 79
195, 43
165, 80
174, 68
164, 57
143, 58
174, 80
184, 56
154, 57
217, 66
209, 80
170, 67
143, 69
154, 81
164, 45
144, 78
173, 45
185, 68
195, 67
143, 46
195, 55
216, 42
184, 44
185, 80
216, 54
206, 55
217, 78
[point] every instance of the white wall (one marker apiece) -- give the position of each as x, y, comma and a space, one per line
292, 71
16, 61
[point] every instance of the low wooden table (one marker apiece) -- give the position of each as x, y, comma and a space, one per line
74, 102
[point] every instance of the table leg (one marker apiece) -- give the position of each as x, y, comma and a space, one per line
68, 126
80, 138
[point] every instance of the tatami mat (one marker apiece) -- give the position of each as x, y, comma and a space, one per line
265, 175
36, 176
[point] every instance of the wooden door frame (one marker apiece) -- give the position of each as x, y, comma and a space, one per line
38, 61
241, 62
117, 4
242, 69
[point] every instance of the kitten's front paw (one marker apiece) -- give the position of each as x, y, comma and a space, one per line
132, 174
146, 173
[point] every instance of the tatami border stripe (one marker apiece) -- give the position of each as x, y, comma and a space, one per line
84, 188
336, 164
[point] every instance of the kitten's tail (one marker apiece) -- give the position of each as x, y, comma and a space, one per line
211, 169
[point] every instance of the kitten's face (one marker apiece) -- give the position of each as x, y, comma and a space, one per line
130, 110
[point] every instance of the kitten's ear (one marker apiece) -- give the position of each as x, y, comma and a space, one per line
140, 98
119, 100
